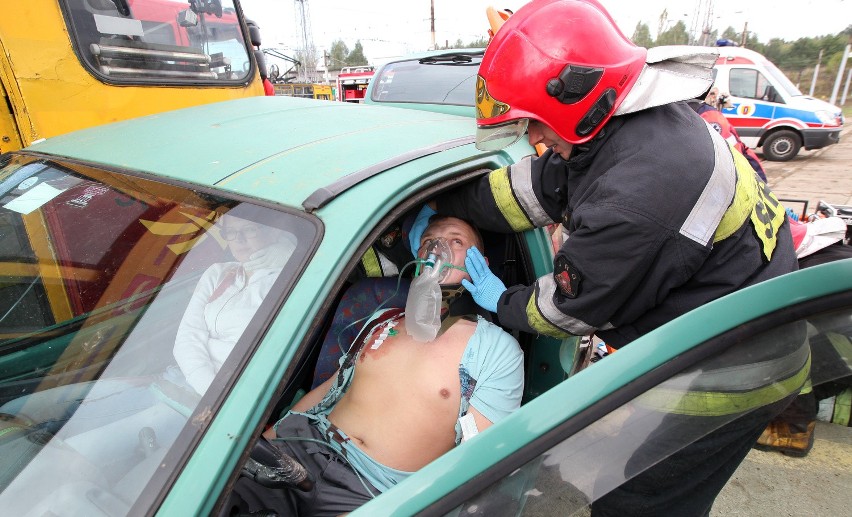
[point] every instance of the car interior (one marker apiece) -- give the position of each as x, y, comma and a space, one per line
508, 259
142, 346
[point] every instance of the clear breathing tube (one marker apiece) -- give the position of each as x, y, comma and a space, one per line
417, 263
438, 256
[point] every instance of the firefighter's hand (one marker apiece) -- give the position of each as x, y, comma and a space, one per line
419, 226
486, 288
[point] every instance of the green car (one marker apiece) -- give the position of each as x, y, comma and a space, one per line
443, 81
108, 237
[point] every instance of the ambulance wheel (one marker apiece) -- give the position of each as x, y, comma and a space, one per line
781, 146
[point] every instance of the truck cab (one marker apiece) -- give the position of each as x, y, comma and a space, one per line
70, 64
768, 110
352, 83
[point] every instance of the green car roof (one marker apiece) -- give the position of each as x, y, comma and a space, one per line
262, 146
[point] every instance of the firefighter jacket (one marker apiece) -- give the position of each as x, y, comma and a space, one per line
662, 217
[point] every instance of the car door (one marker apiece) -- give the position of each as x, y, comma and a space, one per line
588, 435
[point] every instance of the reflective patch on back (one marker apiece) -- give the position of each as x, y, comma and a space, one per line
705, 216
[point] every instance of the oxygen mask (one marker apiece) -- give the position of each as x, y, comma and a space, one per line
437, 259
423, 306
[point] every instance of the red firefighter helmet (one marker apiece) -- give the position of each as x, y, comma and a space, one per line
564, 63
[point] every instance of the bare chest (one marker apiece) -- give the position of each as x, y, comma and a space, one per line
417, 369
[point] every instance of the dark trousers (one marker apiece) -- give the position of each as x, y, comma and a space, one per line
337, 490
687, 482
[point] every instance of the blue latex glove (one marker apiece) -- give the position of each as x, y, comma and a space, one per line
419, 226
486, 288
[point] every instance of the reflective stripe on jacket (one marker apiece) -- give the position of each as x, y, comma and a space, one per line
662, 217
737, 383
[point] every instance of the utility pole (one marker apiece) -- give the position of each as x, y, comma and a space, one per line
325, 65
308, 71
816, 73
432, 19
745, 35
840, 73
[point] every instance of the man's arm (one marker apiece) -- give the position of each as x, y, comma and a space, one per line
482, 423
529, 194
315, 396
496, 362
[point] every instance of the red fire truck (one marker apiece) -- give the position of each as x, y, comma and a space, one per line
352, 83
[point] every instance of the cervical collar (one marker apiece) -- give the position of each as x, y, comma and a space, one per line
457, 303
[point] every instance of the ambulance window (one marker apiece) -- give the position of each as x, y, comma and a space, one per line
748, 83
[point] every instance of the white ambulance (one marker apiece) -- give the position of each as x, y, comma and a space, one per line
768, 110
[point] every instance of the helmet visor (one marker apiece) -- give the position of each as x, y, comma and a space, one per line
498, 136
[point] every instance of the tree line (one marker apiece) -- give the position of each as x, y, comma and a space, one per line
339, 56
797, 59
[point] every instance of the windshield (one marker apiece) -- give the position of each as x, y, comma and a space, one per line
160, 41
782, 80
127, 307
440, 79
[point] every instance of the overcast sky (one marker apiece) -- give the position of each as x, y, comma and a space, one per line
388, 29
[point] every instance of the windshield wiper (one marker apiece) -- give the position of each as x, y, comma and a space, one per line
458, 58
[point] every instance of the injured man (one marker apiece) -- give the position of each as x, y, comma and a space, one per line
406, 392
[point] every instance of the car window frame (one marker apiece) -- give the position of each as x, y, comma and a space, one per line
621, 397
408, 203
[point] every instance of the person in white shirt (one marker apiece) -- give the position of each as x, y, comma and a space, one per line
227, 296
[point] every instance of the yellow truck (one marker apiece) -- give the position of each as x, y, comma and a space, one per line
70, 64
304, 90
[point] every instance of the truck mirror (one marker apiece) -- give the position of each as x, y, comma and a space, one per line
261, 63
254, 33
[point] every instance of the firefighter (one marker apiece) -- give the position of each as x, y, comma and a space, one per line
661, 218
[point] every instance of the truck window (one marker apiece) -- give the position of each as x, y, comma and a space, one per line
162, 41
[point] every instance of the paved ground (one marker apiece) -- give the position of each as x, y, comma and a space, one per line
769, 484
813, 175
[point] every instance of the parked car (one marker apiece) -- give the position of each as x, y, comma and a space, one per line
105, 233
443, 81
